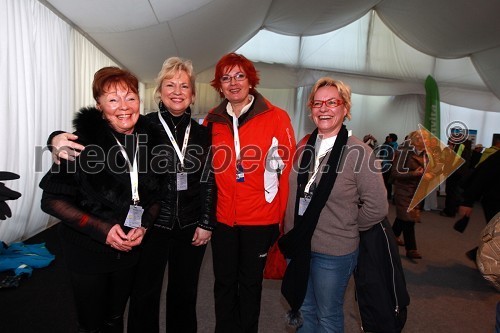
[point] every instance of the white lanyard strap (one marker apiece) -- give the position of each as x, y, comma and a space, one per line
237, 148
180, 153
133, 170
317, 163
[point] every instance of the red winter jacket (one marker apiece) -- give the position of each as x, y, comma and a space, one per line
244, 203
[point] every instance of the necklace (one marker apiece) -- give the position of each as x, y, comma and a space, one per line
178, 120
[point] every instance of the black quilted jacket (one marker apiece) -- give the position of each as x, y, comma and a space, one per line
194, 206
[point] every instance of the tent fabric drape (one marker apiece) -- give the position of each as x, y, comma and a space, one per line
47, 69
376, 61
320, 32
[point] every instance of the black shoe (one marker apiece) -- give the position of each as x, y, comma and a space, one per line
413, 254
461, 224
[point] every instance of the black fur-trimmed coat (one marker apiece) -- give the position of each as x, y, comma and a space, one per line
97, 184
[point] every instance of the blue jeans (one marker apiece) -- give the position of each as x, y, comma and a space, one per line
323, 305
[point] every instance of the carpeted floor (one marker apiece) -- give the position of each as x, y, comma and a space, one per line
448, 294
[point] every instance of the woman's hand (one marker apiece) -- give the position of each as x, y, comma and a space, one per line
135, 236
201, 237
63, 146
464, 211
117, 239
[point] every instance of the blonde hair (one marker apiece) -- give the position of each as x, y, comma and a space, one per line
344, 91
170, 67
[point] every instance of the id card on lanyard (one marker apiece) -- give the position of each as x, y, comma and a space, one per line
134, 215
303, 203
182, 181
311, 185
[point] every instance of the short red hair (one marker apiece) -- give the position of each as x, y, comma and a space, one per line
228, 62
108, 77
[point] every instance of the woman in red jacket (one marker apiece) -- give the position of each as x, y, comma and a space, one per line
253, 144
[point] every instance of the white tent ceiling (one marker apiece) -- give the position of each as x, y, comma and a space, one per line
380, 47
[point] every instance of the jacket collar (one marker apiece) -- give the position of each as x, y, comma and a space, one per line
220, 115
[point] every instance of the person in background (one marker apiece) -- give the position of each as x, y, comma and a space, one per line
483, 185
184, 226
386, 152
476, 154
491, 150
436, 165
106, 199
337, 190
453, 181
409, 165
253, 144
370, 141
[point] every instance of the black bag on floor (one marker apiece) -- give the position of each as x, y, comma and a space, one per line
380, 282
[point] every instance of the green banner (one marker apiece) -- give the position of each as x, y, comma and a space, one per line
432, 114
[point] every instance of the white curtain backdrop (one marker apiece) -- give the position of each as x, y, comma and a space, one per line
47, 70
85, 59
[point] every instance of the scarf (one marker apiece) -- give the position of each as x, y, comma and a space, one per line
296, 244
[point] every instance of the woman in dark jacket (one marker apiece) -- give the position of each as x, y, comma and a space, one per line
184, 227
408, 169
106, 199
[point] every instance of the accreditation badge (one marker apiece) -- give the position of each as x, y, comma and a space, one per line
182, 181
303, 203
134, 216
240, 175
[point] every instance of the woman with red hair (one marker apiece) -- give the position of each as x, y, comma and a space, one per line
253, 144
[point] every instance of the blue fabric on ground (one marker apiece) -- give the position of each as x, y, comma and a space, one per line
22, 258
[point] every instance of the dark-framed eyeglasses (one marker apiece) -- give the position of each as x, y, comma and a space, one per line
330, 103
238, 77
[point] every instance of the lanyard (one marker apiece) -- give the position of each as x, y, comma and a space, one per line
317, 163
180, 153
133, 170
328, 143
230, 111
237, 147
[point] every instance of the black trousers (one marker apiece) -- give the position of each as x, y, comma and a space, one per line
184, 262
388, 185
239, 257
490, 208
101, 299
408, 229
453, 195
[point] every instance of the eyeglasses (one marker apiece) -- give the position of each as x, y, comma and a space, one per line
238, 77
330, 103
